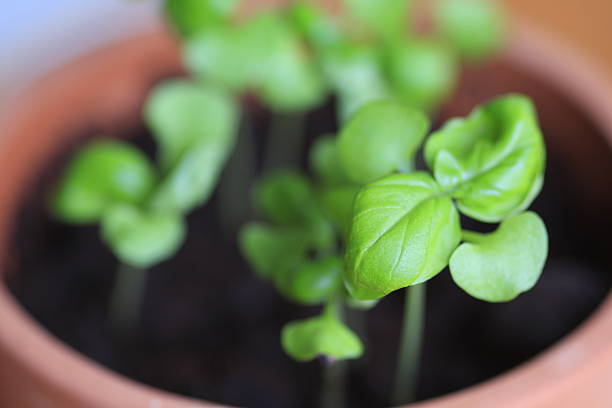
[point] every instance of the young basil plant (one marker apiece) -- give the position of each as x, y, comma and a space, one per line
141, 209
296, 250
405, 227
264, 55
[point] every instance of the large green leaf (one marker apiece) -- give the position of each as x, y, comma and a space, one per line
387, 18
183, 114
382, 137
474, 27
492, 162
189, 17
497, 267
320, 336
403, 233
142, 239
423, 73
104, 173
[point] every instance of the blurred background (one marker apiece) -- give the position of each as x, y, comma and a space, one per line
36, 36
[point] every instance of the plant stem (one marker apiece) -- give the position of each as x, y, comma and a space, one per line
355, 319
234, 205
285, 140
471, 236
334, 381
126, 300
333, 394
410, 345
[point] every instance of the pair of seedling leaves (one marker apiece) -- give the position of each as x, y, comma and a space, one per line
401, 227
292, 58
141, 206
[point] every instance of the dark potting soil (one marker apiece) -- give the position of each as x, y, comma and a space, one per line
210, 329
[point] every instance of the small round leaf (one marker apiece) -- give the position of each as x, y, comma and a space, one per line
386, 18
423, 73
498, 267
269, 249
381, 138
183, 114
325, 161
475, 28
104, 173
315, 282
324, 335
142, 239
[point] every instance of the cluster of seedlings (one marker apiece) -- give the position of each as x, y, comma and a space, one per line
366, 219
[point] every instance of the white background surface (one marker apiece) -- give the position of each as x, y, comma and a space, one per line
38, 35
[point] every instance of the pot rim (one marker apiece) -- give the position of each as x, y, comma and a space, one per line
582, 356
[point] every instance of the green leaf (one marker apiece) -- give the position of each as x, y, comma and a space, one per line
403, 233
354, 72
497, 267
475, 28
285, 197
266, 55
314, 282
221, 55
192, 180
103, 173
270, 249
324, 335
325, 161
423, 73
293, 84
284, 76
189, 17
337, 203
142, 239
183, 114
387, 18
314, 25
492, 162
381, 138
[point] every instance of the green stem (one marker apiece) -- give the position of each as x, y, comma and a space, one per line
355, 319
471, 236
126, 300
334, 381
234, 205
333, 394
285, 140
410, 345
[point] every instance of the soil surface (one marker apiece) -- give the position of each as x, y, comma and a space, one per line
210, 329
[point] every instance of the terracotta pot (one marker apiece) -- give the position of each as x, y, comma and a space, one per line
107, 88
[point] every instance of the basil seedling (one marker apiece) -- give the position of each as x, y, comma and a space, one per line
141, 208
406, 228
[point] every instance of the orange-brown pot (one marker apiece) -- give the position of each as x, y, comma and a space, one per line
107, 88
